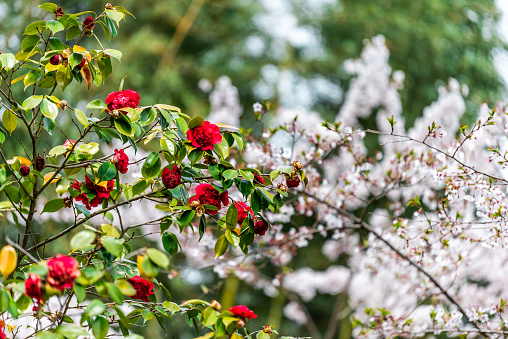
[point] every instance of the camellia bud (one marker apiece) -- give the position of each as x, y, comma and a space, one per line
56, 59
8, 260
241, 323
297, 165
24, 171
215, 305
63, 103
66, 53
67, 202
267, 329
82, 63
109, 6
282, 187
209, 160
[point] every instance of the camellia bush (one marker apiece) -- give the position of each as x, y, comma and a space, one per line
409, 222
187, 176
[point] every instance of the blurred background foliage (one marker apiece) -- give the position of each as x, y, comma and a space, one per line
292, 52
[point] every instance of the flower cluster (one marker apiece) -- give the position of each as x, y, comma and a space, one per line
143, 287
171, 178
206, 194
62, 271
93, 194
204, 136
121, 161
122, 99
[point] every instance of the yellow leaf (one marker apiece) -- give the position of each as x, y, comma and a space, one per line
78, 49
18, 79
24, 161
10, 121
48, 176
227, 126
87, 75
7, 260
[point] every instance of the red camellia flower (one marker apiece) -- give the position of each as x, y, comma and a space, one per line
243, 211
122, 99
121, 161
204, 136
293, 181
171, 178
260, 226
258, 179
2, 334
56, 59
99, 191
143, 288
206, 194
82, 63
62, 270
24, 171
88, 24
33, 287
241, 311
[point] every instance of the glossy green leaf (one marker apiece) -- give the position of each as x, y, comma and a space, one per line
158, 257
100, 327
49, 109
82, 240
31, 102
97, 104
53, 205
113, 245
124, 125
107, 171
221, 246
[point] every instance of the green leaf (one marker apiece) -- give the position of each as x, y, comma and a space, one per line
195, 122
115, 15
247, 175
82, 240
267, 195
113, 245
115, 293
53, 206
32, 77
97, 104
71, 331
232, 217
151, 159
49, 109
114, 53
148, 116
232, 238
4, 300
57, 150
80, 292
95, 307
107, 171
222, 149
262, 335
221, 246
35, 27
147, 315
48, 335
125, 287
48, 6
170, 243
82, 209
195, 155
72, 32
239, 140
230, 174
186, 217
124, 125
9, 120
80, 115
100, 327
8, 61
158, 257
152, 171
31, 102
29, 42
55, 26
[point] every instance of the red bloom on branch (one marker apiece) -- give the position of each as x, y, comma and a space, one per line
260, 226
33, 287
171, 178
204, 136
206, 194
56, 59
143, 288
122, 99
24, 171
293, 181
99, 192
88, 24
258, 179
62, 270
243, 211
2, 334
242, 311
121, 161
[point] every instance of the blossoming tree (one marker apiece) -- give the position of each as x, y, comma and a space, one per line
187, 176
